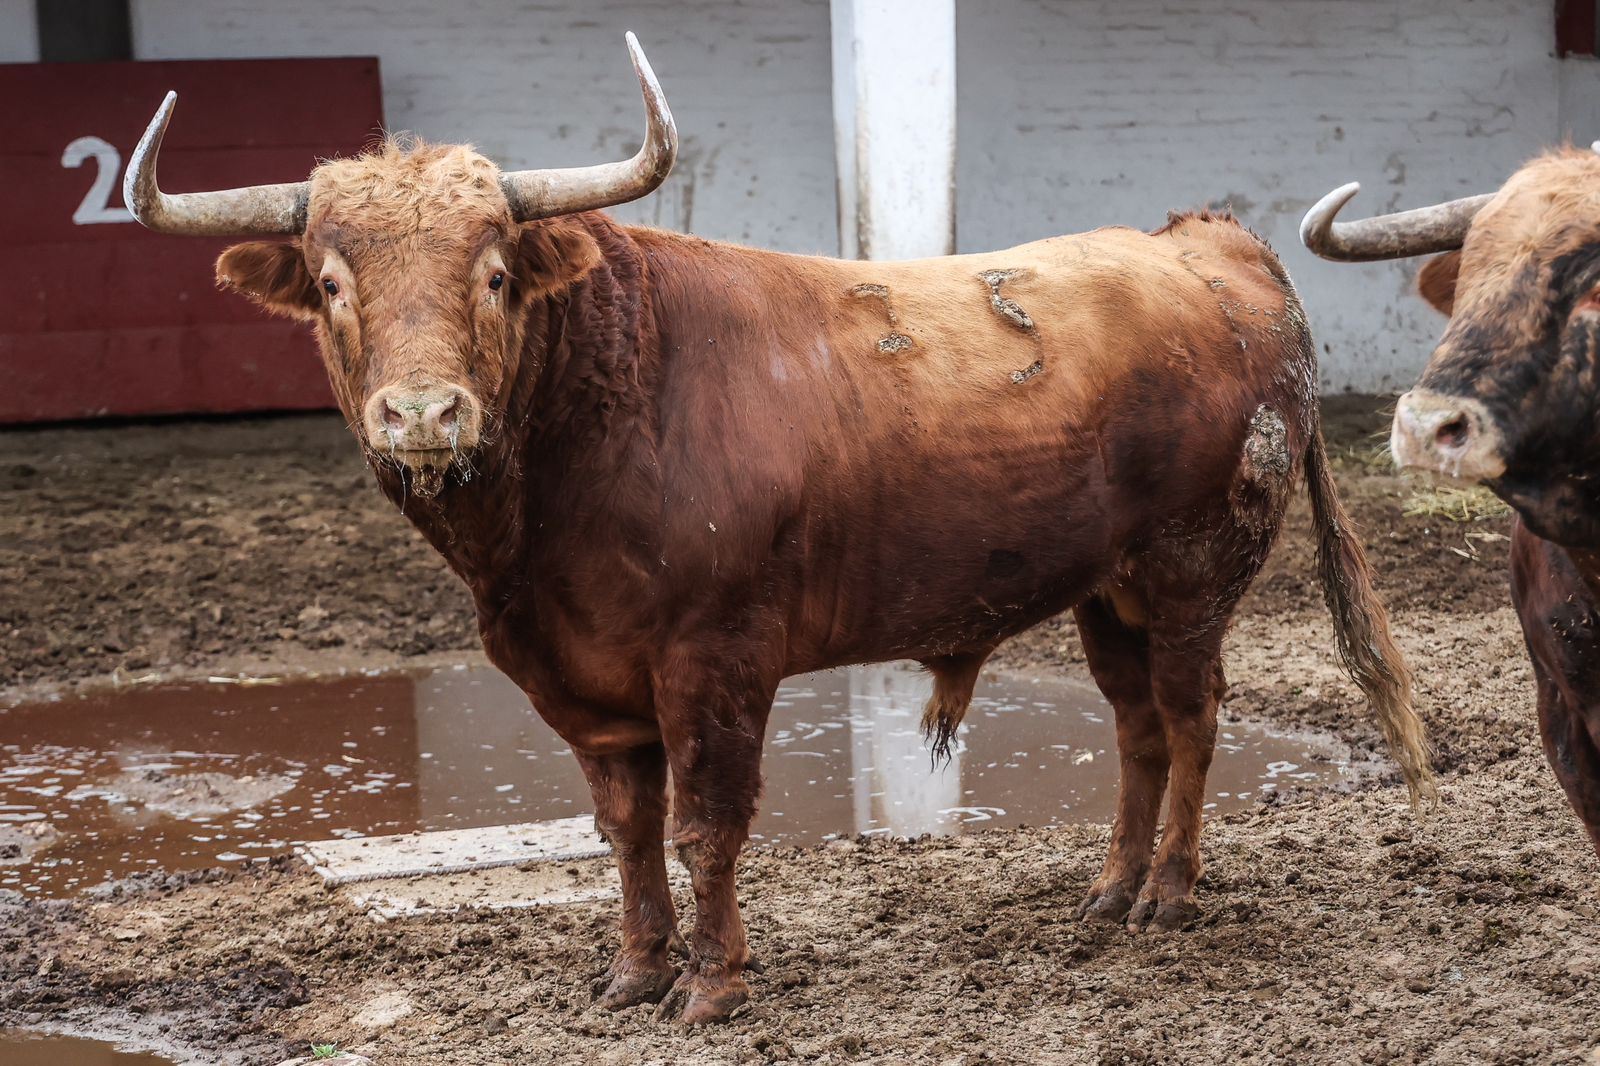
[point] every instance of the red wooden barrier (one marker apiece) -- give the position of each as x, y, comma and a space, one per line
99, 316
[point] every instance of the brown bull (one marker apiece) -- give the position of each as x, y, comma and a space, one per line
673, 472
1511, 399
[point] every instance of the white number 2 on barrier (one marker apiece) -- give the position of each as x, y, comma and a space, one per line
96, 205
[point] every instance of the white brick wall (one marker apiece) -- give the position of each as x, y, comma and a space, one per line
549, 84
1075, 114
1072, 113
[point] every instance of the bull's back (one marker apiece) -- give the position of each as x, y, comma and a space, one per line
1098, 334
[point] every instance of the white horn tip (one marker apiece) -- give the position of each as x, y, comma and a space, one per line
1319, 220
636, 53
138, 189
164, 112
1595, 147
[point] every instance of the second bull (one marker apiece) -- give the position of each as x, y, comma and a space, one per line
1511, 399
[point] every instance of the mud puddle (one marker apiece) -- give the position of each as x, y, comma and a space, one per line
26, 1049
177, 777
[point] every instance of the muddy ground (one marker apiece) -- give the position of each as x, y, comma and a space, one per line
1336, 927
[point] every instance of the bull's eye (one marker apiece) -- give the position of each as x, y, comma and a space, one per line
496, 280
330, 287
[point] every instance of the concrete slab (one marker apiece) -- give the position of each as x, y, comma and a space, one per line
503, 867
340, 862
500, 888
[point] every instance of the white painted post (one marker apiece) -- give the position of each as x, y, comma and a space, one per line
894, 122
19, 31
895, 783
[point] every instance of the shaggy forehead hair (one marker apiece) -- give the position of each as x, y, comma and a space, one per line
401, 186
1545, 211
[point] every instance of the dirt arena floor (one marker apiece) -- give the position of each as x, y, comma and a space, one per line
1336, 927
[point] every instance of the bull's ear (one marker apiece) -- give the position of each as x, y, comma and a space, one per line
553, 254
1437, 281
273, 274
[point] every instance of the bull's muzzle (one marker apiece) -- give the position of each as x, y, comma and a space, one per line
423, 423
1450, 435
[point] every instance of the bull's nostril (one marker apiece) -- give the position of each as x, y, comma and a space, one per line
447, 417
395, 419
1454, 433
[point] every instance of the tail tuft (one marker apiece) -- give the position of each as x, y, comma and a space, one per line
953, 679
941, 717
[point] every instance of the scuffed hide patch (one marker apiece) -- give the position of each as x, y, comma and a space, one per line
1006, 308
1266, 447
1265, 467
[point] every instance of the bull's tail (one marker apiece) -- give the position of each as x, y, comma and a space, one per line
1361, 626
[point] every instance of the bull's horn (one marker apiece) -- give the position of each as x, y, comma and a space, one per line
1423, 231
545, 193
227, 212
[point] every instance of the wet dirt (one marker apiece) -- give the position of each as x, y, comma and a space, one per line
26, 1049
182, 777
208, 548
1335, 926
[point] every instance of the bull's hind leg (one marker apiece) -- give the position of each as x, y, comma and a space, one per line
1186, 674
630, 808
1192, 595
1192, 581
1118, 651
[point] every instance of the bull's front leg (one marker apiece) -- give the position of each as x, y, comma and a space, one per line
1571, 736
712, 721
630, 799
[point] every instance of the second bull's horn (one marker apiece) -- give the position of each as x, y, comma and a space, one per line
257, 209
545, 193
1422, 231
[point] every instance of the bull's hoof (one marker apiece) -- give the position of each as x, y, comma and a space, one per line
633, 984
1109, 904
700, 1000
1163, 916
